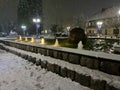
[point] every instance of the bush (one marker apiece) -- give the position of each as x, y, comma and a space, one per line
76, 35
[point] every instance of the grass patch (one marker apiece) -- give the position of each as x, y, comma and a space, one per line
62, 42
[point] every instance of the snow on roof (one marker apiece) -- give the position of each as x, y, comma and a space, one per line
106, 13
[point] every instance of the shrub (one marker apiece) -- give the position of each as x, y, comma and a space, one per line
76, 35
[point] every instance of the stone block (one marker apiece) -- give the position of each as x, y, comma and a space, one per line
39, 50
47, 52
59, 55
29, 58
93, 63
71, 74
111, 87
90, 62
38, 62
110, 67
51, 53
98, 84
50, 67
83, 79
57, 69
33, 60
75, 59
83, 61
55, 54
43, 51
63, 72
44, 64
65, 56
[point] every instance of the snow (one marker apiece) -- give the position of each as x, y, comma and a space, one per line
95, 74
19, 74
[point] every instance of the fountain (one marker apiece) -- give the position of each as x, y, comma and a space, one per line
80, 45
56, 43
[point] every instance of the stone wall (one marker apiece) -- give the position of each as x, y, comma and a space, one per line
102, 64
108, 63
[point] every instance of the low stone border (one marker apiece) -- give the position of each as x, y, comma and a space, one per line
108, 63
83, 79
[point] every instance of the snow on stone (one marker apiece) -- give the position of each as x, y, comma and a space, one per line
82, 70
19, 74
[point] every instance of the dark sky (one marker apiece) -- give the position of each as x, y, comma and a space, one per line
57, 10
79, 6
64, 11
89, 6
8, 10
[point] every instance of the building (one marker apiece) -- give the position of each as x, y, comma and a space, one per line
105, 22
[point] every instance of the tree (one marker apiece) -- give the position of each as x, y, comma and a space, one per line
54, 28
27, 10
80, 21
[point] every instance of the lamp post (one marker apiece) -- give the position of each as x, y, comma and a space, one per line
68, 29
37, 22
99, 25
119, 26
119, 12
24, 29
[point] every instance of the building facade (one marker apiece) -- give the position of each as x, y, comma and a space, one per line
105, 22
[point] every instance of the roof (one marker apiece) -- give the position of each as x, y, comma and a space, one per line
106, 13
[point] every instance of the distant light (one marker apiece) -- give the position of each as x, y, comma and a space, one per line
42, 41
32, 40
23, 27
20, 38
99, 23
36, 20
56, 43
119, 12
46, 31
68, 28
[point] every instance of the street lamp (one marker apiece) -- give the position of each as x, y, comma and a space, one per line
119, 12
99, 25
68, 29
24, 29
119, 24
37, 21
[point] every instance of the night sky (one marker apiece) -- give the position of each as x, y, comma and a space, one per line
64, 11
8, 10
79, 6
57, 10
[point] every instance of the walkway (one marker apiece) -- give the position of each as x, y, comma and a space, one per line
18, 74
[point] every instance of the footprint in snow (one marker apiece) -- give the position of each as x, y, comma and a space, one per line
31, 74
38, 78
39, 86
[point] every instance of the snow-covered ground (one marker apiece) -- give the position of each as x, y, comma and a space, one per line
19, 74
